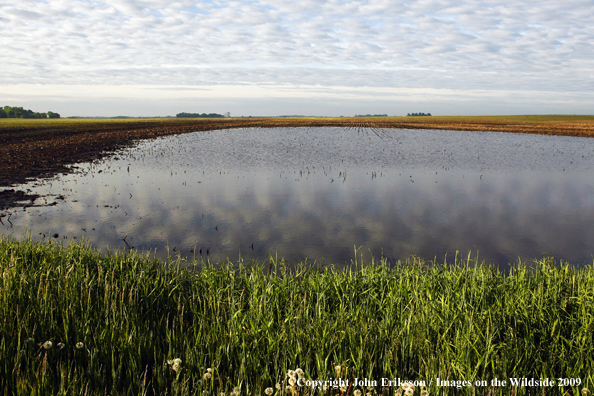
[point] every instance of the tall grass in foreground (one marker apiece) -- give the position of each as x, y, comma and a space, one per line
74, 321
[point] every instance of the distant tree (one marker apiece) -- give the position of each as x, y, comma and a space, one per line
19, 112
51, 114
418, 114
198, 115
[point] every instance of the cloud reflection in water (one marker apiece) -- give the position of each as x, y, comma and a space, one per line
405, 192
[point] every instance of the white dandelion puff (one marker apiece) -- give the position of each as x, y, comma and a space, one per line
357, 392
269, 391
47, 345
80, 345
408, 385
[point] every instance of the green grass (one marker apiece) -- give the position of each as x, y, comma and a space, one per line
11, 123
250, 323
516, 118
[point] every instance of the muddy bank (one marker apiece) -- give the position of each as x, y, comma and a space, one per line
16, 199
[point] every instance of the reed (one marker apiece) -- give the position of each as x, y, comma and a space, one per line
74, 321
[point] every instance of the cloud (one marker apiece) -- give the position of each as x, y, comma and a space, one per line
541, 45
23, 14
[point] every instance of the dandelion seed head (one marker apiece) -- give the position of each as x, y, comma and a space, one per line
176, 367
300, 373
424, 393
357, 392
292, 381
209, 370
408, 385
291, 374
409, 392
585, 391
269, 391
47, 345
177, 361
289, 388
79, 345
337, 370
278, 386
343, 388
61, 345
207, 376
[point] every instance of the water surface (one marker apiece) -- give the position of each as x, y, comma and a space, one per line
317, 193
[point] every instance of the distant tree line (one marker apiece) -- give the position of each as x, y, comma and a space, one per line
418, 114
198, 115
19, 112
371, 115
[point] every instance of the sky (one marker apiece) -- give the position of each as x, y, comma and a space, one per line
280, 57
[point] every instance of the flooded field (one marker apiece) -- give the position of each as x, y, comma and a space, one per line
316, 193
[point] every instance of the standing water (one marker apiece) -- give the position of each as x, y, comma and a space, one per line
316, 193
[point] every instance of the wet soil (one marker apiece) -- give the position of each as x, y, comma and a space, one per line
32, 150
